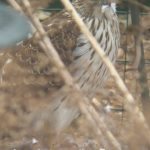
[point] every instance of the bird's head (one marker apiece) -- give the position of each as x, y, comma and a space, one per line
93, 7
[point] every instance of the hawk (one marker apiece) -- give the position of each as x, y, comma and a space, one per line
76, 52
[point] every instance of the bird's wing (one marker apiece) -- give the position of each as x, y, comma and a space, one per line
30, 58
63, 33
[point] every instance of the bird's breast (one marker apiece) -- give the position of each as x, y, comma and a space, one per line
89, 71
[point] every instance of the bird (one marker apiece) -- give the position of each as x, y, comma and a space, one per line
77, 53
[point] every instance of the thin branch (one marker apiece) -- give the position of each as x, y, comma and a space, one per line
15, 5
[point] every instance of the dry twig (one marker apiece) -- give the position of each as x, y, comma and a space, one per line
15, 5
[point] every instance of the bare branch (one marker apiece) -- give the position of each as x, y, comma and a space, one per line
15, 5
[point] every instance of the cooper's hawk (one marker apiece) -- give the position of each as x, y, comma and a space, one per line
76, 52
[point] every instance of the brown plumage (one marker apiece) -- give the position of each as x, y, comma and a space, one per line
76, 52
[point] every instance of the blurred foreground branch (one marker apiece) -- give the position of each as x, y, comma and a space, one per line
15, 5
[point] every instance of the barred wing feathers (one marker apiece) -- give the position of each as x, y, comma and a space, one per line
31, 59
